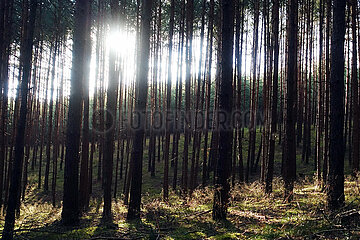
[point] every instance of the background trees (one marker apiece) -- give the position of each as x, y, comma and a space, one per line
127, 84
26, 55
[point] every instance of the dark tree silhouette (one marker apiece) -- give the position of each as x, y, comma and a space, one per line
223, 166
70, 211
140, 107
275, 79
289, 170
335, 192
26, 56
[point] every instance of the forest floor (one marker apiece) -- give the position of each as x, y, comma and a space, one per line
252, 214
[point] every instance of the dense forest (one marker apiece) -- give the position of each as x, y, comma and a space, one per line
179, 119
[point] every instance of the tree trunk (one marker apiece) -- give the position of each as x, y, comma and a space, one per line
70, 211
223, 167
168, 104
275, 78
355, 94
289, 173
111, 106
187, 137
208, 95
26, 56
51, 107
320, 100
140, 108
84, 165
327, 93
335, 192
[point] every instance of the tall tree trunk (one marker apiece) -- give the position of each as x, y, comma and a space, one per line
289, 173
320, 99
208, 94
275, 78
4, 83
26, 56
111, 106
223, 167
168, 104
51, 107
187, 137
70, 211
140, 108
355, 92
84, 165
252, 127
335, 192
44, 119
179, 94
327, 93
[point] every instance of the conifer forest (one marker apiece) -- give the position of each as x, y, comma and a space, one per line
179, 119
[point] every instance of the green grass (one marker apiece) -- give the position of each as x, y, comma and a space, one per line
252, 214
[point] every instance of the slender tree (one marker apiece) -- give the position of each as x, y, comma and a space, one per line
84, 165
26, 57
355, 92
275, 79
187, 138
5, 39
50, 129
335, 193
327, 93
111, 106
289, 171
320, 122
140, 108
168, 103
70, 211
223, 167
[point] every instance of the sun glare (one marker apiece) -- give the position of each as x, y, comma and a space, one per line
120, 42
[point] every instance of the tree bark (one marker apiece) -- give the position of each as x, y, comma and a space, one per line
335, 194
140, 109
70, 211
275, 78
84, 165
26, 56
168, 104
223, 167
355, 92
289, 173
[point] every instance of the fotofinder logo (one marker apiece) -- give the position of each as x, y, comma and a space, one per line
104, 120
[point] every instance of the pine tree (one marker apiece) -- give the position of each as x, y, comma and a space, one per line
335, 192
223, 166
140, 107
70, 212
289, 171
26, 57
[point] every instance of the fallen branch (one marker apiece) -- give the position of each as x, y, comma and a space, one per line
337, 230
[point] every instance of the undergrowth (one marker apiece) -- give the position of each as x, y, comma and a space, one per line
252, 215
